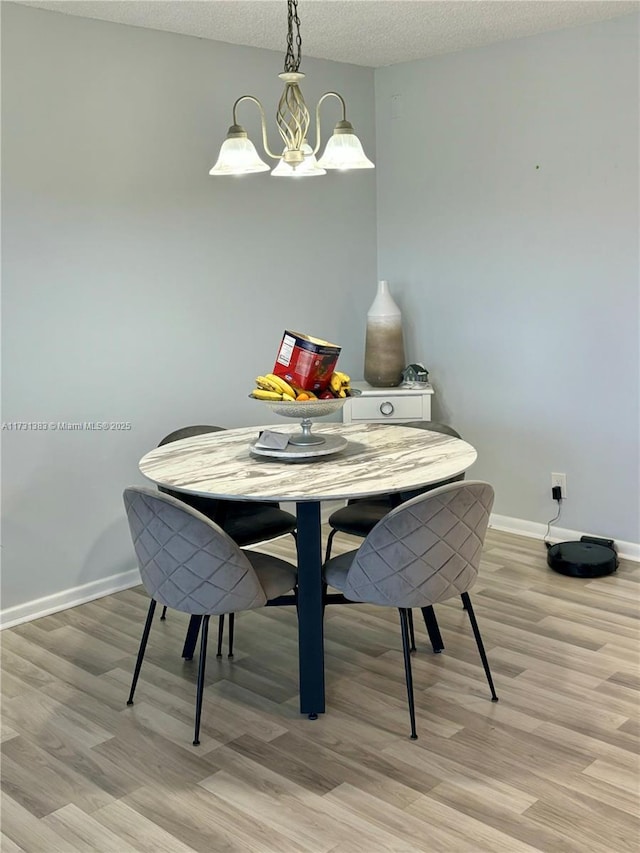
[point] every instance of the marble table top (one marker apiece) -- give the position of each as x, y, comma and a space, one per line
379, 458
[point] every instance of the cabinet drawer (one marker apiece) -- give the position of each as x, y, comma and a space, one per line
388, 408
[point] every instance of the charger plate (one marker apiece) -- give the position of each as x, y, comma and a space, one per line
301, 452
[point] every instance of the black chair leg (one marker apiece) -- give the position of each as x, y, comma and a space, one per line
466, 601
164, 613
204, 631
329, 543
220, 634
232, 619
404, 623
412, 634
431, 624
192, 637
142, 649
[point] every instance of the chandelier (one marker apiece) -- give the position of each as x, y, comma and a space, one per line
238, 155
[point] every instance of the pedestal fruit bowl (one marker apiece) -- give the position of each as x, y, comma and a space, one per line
305, 411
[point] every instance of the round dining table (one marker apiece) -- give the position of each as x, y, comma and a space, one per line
378, 459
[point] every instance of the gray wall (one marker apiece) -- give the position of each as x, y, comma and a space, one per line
508, 230
136, 287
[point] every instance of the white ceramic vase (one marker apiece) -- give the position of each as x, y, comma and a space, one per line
384, 346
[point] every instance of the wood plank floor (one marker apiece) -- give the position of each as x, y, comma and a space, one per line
552, 767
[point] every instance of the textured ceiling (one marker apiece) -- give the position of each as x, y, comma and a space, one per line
362, 32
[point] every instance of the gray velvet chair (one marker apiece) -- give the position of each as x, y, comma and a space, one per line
360, 516
188, 563
246, 522
425, 551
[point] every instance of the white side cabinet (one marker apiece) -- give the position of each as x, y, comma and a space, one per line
395, 405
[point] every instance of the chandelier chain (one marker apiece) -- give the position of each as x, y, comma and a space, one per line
343, 151
292, 60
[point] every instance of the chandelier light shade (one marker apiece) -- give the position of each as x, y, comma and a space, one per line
238, 155
344, 150
309, 167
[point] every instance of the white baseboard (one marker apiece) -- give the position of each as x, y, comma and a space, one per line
68, 598
535, 530
125, 580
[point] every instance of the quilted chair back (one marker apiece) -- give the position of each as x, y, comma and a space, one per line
186, 561
425, 550
189, 432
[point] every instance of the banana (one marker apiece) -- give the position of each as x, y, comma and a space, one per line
282, 385
340, 384
289, 398
335, 383
262, 394
268, 384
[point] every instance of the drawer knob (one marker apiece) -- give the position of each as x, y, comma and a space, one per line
386, 408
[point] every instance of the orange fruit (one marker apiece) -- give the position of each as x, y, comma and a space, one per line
301, 397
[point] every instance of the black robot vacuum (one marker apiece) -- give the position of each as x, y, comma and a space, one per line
588, 558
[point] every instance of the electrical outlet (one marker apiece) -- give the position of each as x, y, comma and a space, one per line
560, 480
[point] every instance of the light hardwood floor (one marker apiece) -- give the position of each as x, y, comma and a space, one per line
552, 767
